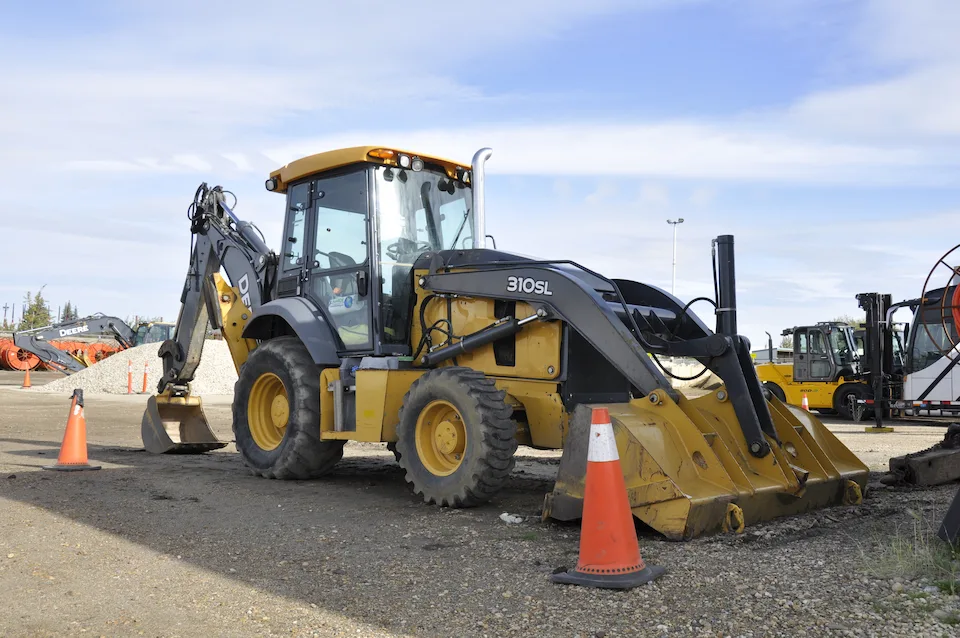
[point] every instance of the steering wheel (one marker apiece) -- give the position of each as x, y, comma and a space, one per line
393, 250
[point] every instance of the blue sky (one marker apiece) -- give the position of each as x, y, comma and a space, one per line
822, 134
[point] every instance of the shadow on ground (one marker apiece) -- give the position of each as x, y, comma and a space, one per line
347, 542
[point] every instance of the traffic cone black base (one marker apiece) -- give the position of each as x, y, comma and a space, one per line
609, 581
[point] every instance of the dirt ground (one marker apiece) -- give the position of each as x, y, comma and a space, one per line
197, 546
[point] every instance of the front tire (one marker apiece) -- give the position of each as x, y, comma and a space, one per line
276, 413
456, 440
776, 391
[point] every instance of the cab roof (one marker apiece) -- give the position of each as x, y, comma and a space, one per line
329, 160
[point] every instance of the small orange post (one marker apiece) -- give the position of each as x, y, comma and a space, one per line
146, 367
129, 376
26, 380
73, 450
609, 550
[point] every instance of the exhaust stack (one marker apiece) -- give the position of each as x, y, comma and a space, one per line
477, 187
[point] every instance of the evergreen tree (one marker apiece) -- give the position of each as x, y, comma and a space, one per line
36, 313
69, 312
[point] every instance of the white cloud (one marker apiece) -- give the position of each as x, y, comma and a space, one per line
654, 195
605, 191
239, 160
702, 196
80, 123
192, 161
916, 48
671, 149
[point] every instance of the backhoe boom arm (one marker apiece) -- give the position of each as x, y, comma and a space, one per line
220, 240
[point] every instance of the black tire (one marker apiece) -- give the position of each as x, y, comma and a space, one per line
490, 445
776, 391
392, 447
842, 405
300, 454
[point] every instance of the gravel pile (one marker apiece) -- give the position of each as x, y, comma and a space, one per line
215, 375
687, 368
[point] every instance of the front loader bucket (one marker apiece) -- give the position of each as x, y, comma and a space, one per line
177, 425
688, 471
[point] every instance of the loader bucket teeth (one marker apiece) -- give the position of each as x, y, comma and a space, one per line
177, 425
688, 471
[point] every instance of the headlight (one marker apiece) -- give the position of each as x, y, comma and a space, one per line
271, 184
417, 164
404, 161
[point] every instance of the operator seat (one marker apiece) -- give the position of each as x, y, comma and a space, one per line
399, 304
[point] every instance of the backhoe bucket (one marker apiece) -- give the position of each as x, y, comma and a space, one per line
177, 425
688, 471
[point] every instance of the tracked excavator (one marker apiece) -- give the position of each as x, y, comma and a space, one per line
39, 341
387, 317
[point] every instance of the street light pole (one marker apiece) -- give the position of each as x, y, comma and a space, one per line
673, 283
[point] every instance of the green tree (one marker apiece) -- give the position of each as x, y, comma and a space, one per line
847, 319
69, 312
37, 313
134, 320
787, 341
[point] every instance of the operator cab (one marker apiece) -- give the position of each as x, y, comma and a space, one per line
357, 220
153, 333
824, 352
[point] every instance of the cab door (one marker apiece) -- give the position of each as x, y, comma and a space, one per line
801, 356
337, 276
821, 362
293, 262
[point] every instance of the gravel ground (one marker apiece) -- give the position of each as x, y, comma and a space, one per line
196, 546
216, 373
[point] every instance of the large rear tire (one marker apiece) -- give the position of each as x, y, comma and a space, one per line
276, 413
456, 440
841, 402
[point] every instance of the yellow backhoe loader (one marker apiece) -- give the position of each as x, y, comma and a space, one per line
386, 317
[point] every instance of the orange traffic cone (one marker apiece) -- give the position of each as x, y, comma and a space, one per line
804, 403
26, 380
609, 551
73, 450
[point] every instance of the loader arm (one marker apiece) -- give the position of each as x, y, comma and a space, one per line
220, 241
38, 340
623, 332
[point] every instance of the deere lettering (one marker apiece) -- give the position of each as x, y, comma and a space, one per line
74, 331
529, 286
244, 285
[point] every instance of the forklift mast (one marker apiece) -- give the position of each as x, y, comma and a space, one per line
878, 364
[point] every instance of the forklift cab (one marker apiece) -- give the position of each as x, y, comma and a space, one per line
825, 352
354, 232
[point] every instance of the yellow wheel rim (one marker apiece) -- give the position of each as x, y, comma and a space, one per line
441, 438
268, 411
